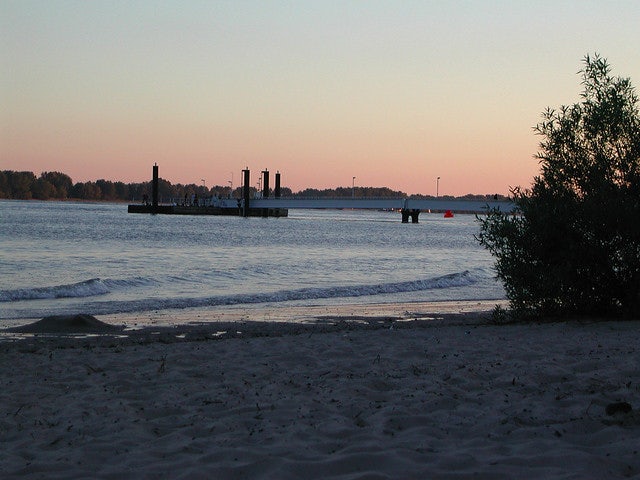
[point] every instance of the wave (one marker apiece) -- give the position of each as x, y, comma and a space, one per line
97, 287
88, 288
453, 280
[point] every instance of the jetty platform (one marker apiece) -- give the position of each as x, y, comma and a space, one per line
207, 210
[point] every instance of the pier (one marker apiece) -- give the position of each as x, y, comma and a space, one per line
238, 207
277, 206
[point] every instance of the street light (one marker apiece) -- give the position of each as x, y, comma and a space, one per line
353, 187
437, 187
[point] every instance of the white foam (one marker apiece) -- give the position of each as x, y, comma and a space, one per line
88, 288
453, 280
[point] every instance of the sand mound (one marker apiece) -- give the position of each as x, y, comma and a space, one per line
81, 323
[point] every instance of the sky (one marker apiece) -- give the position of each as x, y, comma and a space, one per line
393, 93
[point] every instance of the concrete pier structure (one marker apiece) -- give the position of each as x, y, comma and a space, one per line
209, 206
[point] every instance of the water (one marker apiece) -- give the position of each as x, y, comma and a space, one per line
62, 257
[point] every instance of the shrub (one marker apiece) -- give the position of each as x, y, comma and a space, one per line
572, 244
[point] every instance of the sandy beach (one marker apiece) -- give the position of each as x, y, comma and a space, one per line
352, 392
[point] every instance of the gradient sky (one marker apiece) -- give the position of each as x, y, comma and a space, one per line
395, 93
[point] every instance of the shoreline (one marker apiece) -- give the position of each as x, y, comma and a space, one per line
284, 313
259, 318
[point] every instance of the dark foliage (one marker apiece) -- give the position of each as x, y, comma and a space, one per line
573, 246
17, 184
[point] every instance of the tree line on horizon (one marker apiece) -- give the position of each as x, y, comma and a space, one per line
24, 185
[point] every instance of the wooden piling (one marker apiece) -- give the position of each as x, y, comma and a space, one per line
276, 191
246, 192
154, 188
265, 184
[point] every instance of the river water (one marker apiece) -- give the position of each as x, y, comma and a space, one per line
66, 257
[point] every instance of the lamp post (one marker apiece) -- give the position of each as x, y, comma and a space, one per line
437, 187
353, 187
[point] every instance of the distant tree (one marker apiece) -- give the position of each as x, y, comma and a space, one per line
573, 246
366, 192
166, 191
121, 190
20, 184
5, 190
42, 189
309, 193
86, 191
202, 191
61, 182
107, 189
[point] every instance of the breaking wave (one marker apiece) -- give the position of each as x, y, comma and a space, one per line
88, 288
460, 279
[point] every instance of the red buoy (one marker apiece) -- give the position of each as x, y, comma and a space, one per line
448, 214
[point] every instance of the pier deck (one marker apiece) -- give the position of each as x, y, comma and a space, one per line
207, 210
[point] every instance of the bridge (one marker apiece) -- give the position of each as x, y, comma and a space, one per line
409, 207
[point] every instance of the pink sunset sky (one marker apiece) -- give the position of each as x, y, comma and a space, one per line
394, 93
